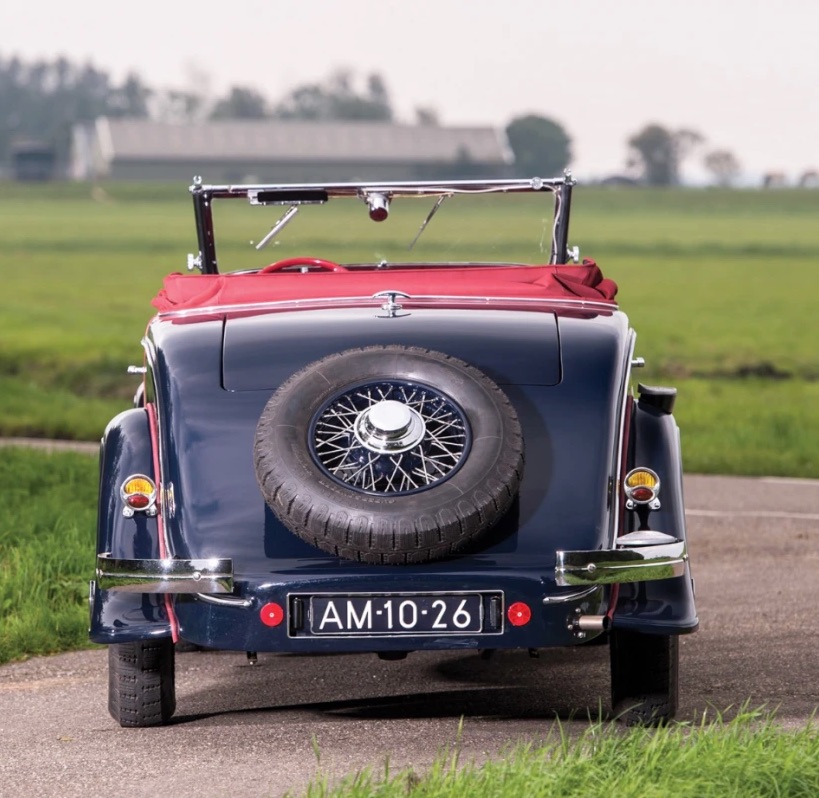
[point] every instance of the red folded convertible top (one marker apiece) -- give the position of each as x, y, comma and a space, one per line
184, 292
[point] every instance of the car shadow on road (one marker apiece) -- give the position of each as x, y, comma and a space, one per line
562, 684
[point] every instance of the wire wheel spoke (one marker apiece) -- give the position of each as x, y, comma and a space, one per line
390, 437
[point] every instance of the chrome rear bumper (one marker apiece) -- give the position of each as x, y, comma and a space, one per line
627, 564
165, 576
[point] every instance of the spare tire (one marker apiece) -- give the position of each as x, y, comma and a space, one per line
389, 454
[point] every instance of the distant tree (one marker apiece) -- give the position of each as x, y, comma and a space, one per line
657, 153
723, 165
427, 117
42, 101
378, 97
130, 99
337, 98
540, 145
177, 106
774, 180
240, 103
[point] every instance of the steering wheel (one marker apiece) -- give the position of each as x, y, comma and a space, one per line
319, 263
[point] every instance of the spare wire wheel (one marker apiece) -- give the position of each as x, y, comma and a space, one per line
390, 437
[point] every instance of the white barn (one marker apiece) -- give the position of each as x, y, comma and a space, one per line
238, 151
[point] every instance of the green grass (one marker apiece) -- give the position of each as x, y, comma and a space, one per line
748, 757
753, 426
720, 286
47, 533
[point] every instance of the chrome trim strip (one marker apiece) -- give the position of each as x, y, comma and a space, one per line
225, 601
617, 566
397, 188
618, 519
213, 575
547, 304
645, 537
577, 594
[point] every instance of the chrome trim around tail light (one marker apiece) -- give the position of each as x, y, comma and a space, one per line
616, 566
212, 575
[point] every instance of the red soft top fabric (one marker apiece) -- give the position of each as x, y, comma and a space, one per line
185, 292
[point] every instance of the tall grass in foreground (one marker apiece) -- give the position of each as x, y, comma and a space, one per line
750, 756
47, 523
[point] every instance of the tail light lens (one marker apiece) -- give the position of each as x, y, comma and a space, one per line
138, 494
642, 485
519, 614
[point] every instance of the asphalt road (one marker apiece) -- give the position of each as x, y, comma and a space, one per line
267, 729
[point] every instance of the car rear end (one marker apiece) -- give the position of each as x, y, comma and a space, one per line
392, 460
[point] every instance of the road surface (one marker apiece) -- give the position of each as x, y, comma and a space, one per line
263, 730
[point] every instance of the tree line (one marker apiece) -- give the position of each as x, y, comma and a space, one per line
41, 101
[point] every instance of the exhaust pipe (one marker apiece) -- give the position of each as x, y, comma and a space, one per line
592, 623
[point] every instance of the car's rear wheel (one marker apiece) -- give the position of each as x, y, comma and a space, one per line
389, 454
141, 682
644, 677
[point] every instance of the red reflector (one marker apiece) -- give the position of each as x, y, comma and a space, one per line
642, 494
272, 614
519, 614
138, 501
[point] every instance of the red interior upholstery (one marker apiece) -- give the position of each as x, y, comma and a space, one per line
183, 292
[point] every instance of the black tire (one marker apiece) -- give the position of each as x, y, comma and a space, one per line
374, 523
644, 677
141, 682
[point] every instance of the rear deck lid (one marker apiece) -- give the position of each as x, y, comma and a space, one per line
511, 347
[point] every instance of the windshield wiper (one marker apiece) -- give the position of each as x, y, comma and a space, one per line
280, 225
432, 213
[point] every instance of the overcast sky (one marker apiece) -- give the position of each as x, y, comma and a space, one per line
743, 73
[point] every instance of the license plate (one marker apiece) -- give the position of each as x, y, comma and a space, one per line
416, 614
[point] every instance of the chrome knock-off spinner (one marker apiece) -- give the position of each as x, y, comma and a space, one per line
389, 426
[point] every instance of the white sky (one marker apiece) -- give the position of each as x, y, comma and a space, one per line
744, 73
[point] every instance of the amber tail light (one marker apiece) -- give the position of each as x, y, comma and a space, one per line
138, 494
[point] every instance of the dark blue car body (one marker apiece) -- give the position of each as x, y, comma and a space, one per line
571, 558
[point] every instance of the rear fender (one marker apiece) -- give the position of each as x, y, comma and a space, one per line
663, 606
117, 616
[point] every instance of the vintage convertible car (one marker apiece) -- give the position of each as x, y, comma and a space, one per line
413, 428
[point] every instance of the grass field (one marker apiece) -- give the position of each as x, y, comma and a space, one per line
749, 756
720, 286
47, 523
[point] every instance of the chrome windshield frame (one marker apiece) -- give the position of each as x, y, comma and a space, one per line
317, 193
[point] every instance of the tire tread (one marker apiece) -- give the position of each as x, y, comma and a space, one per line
141, 682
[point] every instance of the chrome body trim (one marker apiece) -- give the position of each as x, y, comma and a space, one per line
645, 537
617, 566
392, 189
212, 575
573, 596
543, 304
225, 601
391, 307
617, 517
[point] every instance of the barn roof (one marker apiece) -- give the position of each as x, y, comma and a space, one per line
277, 140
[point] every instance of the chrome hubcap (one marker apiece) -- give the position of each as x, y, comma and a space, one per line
389, 437
389, 426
